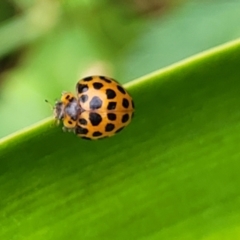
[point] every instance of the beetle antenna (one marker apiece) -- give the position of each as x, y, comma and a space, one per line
50, 104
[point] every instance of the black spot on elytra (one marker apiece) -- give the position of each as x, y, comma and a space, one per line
119, 130
87, 79
111, 105
81, 88
121, 89
82, 121
97, 134
95, 103
110, 94
83, 98
95, 118
109, 127
112, 116
105, 79
125, 118
67, 97
97, 85
125, 103
81, 130
133, 104
70, 122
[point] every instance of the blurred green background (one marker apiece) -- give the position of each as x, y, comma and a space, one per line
47, 45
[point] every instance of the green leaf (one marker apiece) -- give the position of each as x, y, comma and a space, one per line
172, 174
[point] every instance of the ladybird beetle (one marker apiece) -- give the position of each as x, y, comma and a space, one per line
101, 108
